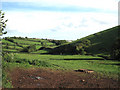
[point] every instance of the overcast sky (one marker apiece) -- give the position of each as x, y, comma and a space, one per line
59, 19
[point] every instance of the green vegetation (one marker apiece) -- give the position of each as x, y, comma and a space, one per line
115, 53
72, 48
2, 23
99, 43
95, 52
29, 49
102, 42
65, 62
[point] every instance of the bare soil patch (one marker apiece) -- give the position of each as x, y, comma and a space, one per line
47, 78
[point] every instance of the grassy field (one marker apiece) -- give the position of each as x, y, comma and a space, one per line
69, 62
7, 42
26, 42
40, 58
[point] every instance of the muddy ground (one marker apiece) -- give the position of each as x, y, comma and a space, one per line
47, 78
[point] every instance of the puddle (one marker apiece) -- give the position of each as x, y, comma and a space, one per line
36, 77
39, 78
84, 70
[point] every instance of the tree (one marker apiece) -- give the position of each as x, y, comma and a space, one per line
7, 46
115, 53
29, 49
2, 23
26, 37
59, 42
81, 48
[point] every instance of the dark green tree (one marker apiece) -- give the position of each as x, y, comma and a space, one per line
26, 37
6, 46
115, 53
14, 46
2, 23
29, 49
81, 48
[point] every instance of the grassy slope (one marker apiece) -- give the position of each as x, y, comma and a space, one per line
24, 43
101, 42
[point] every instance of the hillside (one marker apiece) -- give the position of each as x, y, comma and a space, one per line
29, 45
101, 43
17, 44
28, 63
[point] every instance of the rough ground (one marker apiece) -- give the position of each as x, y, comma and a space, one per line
47, 78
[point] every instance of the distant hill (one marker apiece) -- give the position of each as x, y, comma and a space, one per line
101, 42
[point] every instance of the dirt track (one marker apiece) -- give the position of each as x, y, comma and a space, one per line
47, 78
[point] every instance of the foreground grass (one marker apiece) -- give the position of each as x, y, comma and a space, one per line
106, 68
73, 62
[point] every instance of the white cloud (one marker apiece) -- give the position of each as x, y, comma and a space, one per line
31, 21
60, 25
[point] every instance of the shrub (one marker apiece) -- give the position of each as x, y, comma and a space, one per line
81, 47
106, 57
59, 42
34, 62
6, 46
76, 48
44, 64
29, 49
9, 57
9, 39
39, 63
21, 60
115, 51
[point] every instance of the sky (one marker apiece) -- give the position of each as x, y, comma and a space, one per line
59, 19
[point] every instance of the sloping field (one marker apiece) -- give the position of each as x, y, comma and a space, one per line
101, 42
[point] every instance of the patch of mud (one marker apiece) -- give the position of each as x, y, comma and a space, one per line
84, 70
47, 78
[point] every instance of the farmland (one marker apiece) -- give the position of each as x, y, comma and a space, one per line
30, 55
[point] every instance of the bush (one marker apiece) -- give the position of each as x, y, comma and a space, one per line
44, 64
6, 46
39, 63
34, 62
115, 51
59, 42
9, 39
29, 49
106, 57
21, 60
81, 47
8, 57
73, 48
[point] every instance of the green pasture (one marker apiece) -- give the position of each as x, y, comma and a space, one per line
40, 52
7, 42
9, 50
20, 41
12, 47
72, 62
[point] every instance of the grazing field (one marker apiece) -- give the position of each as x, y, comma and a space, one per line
40, 63
68, 63
71, 62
